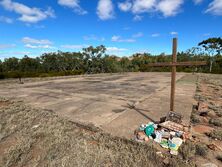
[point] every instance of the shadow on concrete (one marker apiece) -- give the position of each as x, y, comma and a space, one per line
132, 107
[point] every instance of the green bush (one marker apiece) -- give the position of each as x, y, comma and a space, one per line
216, 134
194, 118
216, 121
187, 150
2, 76
201, 150
219, 113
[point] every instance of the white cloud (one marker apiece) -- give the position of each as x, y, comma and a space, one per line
94, 38
74, 46
115, 49
6, 19
198, 1
137, 18
125, 6
169, 7
28, 40
6, 46
137, 7
28, 14
105, 9
74, 4
137, 35
119, 39
155, 35
173, 33
141, 6
38, 46
215, 7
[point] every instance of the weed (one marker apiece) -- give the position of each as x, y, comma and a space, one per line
216, 121
216, 134
194, 118
201, 150
219, 113
187, 150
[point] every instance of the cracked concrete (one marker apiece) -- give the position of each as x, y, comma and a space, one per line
104, 99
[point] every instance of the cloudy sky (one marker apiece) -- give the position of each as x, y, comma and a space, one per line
123, 26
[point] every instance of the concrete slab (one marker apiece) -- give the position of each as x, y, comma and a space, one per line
104, 99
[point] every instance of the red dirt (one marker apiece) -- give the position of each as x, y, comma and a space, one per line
202, 129
4, 103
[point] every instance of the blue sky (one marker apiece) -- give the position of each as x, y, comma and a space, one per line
123, 26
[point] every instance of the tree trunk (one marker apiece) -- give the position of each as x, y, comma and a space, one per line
211, 63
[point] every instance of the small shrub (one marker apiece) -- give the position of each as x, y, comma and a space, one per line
216, 122
194, 118
219, 157
201, 150
187, 150
216, 134
219, 113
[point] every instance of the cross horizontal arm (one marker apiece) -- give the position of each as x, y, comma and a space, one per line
169, 64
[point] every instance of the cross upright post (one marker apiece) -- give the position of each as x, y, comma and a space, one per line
174, 64
173, 74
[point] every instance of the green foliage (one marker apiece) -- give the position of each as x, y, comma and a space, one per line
216, 121
187, 150
212, 44
194, 118
216, 134
219, 112
94, 60
201, 150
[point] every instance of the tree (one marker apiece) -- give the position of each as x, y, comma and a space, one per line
28, 64
92, 57
212, 46
11, 64
1, 66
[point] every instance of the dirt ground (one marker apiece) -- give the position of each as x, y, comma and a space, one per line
32, 137
39, 136
106, 100
207, 122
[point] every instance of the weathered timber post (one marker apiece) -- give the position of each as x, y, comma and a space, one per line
173, 75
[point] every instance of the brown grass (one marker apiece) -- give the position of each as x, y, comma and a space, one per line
41, 138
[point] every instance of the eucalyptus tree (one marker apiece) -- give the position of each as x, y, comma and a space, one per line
213, 46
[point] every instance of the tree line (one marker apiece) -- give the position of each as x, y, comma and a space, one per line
95, 60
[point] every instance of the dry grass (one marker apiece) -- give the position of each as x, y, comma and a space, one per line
216, 134
187, 150
33, 137
216, 122
201, 150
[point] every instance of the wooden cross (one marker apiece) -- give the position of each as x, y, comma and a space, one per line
174, 64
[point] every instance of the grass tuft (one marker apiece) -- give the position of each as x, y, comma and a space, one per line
187, 150
216, 134
201, 150
216, 122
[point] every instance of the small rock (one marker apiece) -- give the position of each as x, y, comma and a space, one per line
166, 161
212, 146
209, 165
35, 126
202, 106
211, 114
